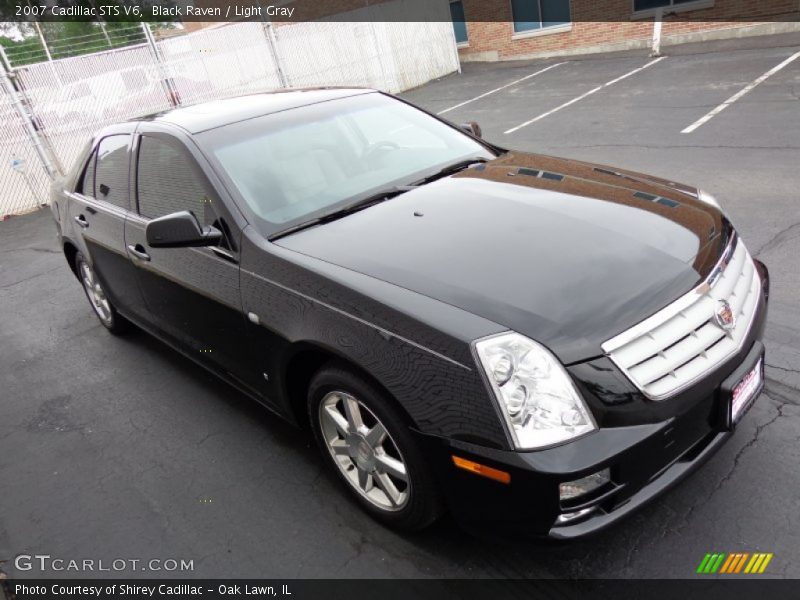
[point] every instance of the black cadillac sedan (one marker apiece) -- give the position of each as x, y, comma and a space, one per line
538, 345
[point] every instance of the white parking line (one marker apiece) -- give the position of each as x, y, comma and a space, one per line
739, 94
582, 96
489, 93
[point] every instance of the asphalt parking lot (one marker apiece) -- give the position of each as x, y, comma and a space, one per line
121, 448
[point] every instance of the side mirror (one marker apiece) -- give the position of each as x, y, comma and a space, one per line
473, 128
180, 230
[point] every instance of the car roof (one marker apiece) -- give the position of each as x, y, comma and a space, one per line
209, 115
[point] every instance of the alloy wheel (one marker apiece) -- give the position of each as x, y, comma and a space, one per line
96, 294
364, 451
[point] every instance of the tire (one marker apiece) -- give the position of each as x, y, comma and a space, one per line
370, 463
103, 308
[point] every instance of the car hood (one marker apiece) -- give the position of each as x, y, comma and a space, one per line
565, 252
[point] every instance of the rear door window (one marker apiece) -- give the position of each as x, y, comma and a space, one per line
111, 172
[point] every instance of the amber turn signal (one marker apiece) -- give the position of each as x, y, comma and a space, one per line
483, 470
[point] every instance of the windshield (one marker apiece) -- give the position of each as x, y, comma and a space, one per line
295, 165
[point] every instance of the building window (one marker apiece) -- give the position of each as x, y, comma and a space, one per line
639, 5
459, 22
530, 15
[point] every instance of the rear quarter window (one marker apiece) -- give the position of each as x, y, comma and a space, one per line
111, 171
85, 184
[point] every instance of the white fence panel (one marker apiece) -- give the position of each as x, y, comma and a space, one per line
21, 188
218, 63
416, 55
330, 53
374, 49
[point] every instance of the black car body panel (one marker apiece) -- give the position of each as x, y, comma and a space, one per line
521, 250
567, 253
404, 340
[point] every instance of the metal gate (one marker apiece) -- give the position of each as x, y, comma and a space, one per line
59, 104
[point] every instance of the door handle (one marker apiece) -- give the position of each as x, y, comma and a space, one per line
81, 220
138, 252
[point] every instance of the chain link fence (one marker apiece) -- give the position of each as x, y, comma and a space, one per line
219, 63
68, 99
23, 181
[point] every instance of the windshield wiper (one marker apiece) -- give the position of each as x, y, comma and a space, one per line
453, 168
349, 209
379, 196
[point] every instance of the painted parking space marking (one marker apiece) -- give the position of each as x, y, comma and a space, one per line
707, 117
582, 96
502, 87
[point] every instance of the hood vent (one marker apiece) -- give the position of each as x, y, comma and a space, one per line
538, 174
656, 199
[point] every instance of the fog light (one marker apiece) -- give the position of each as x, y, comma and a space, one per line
571, 516
580, 487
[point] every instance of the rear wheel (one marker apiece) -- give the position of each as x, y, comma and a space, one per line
366, 442
96, 294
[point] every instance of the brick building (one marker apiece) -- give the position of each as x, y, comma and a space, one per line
512, 29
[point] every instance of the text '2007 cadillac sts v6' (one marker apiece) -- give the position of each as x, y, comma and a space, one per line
537, 344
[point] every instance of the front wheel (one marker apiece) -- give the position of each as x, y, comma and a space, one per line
367, 443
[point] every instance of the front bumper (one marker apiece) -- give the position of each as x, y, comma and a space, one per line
644, 460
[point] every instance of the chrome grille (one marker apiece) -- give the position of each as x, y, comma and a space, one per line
675, 347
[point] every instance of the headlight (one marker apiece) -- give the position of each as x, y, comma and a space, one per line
536, 396
708, 199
